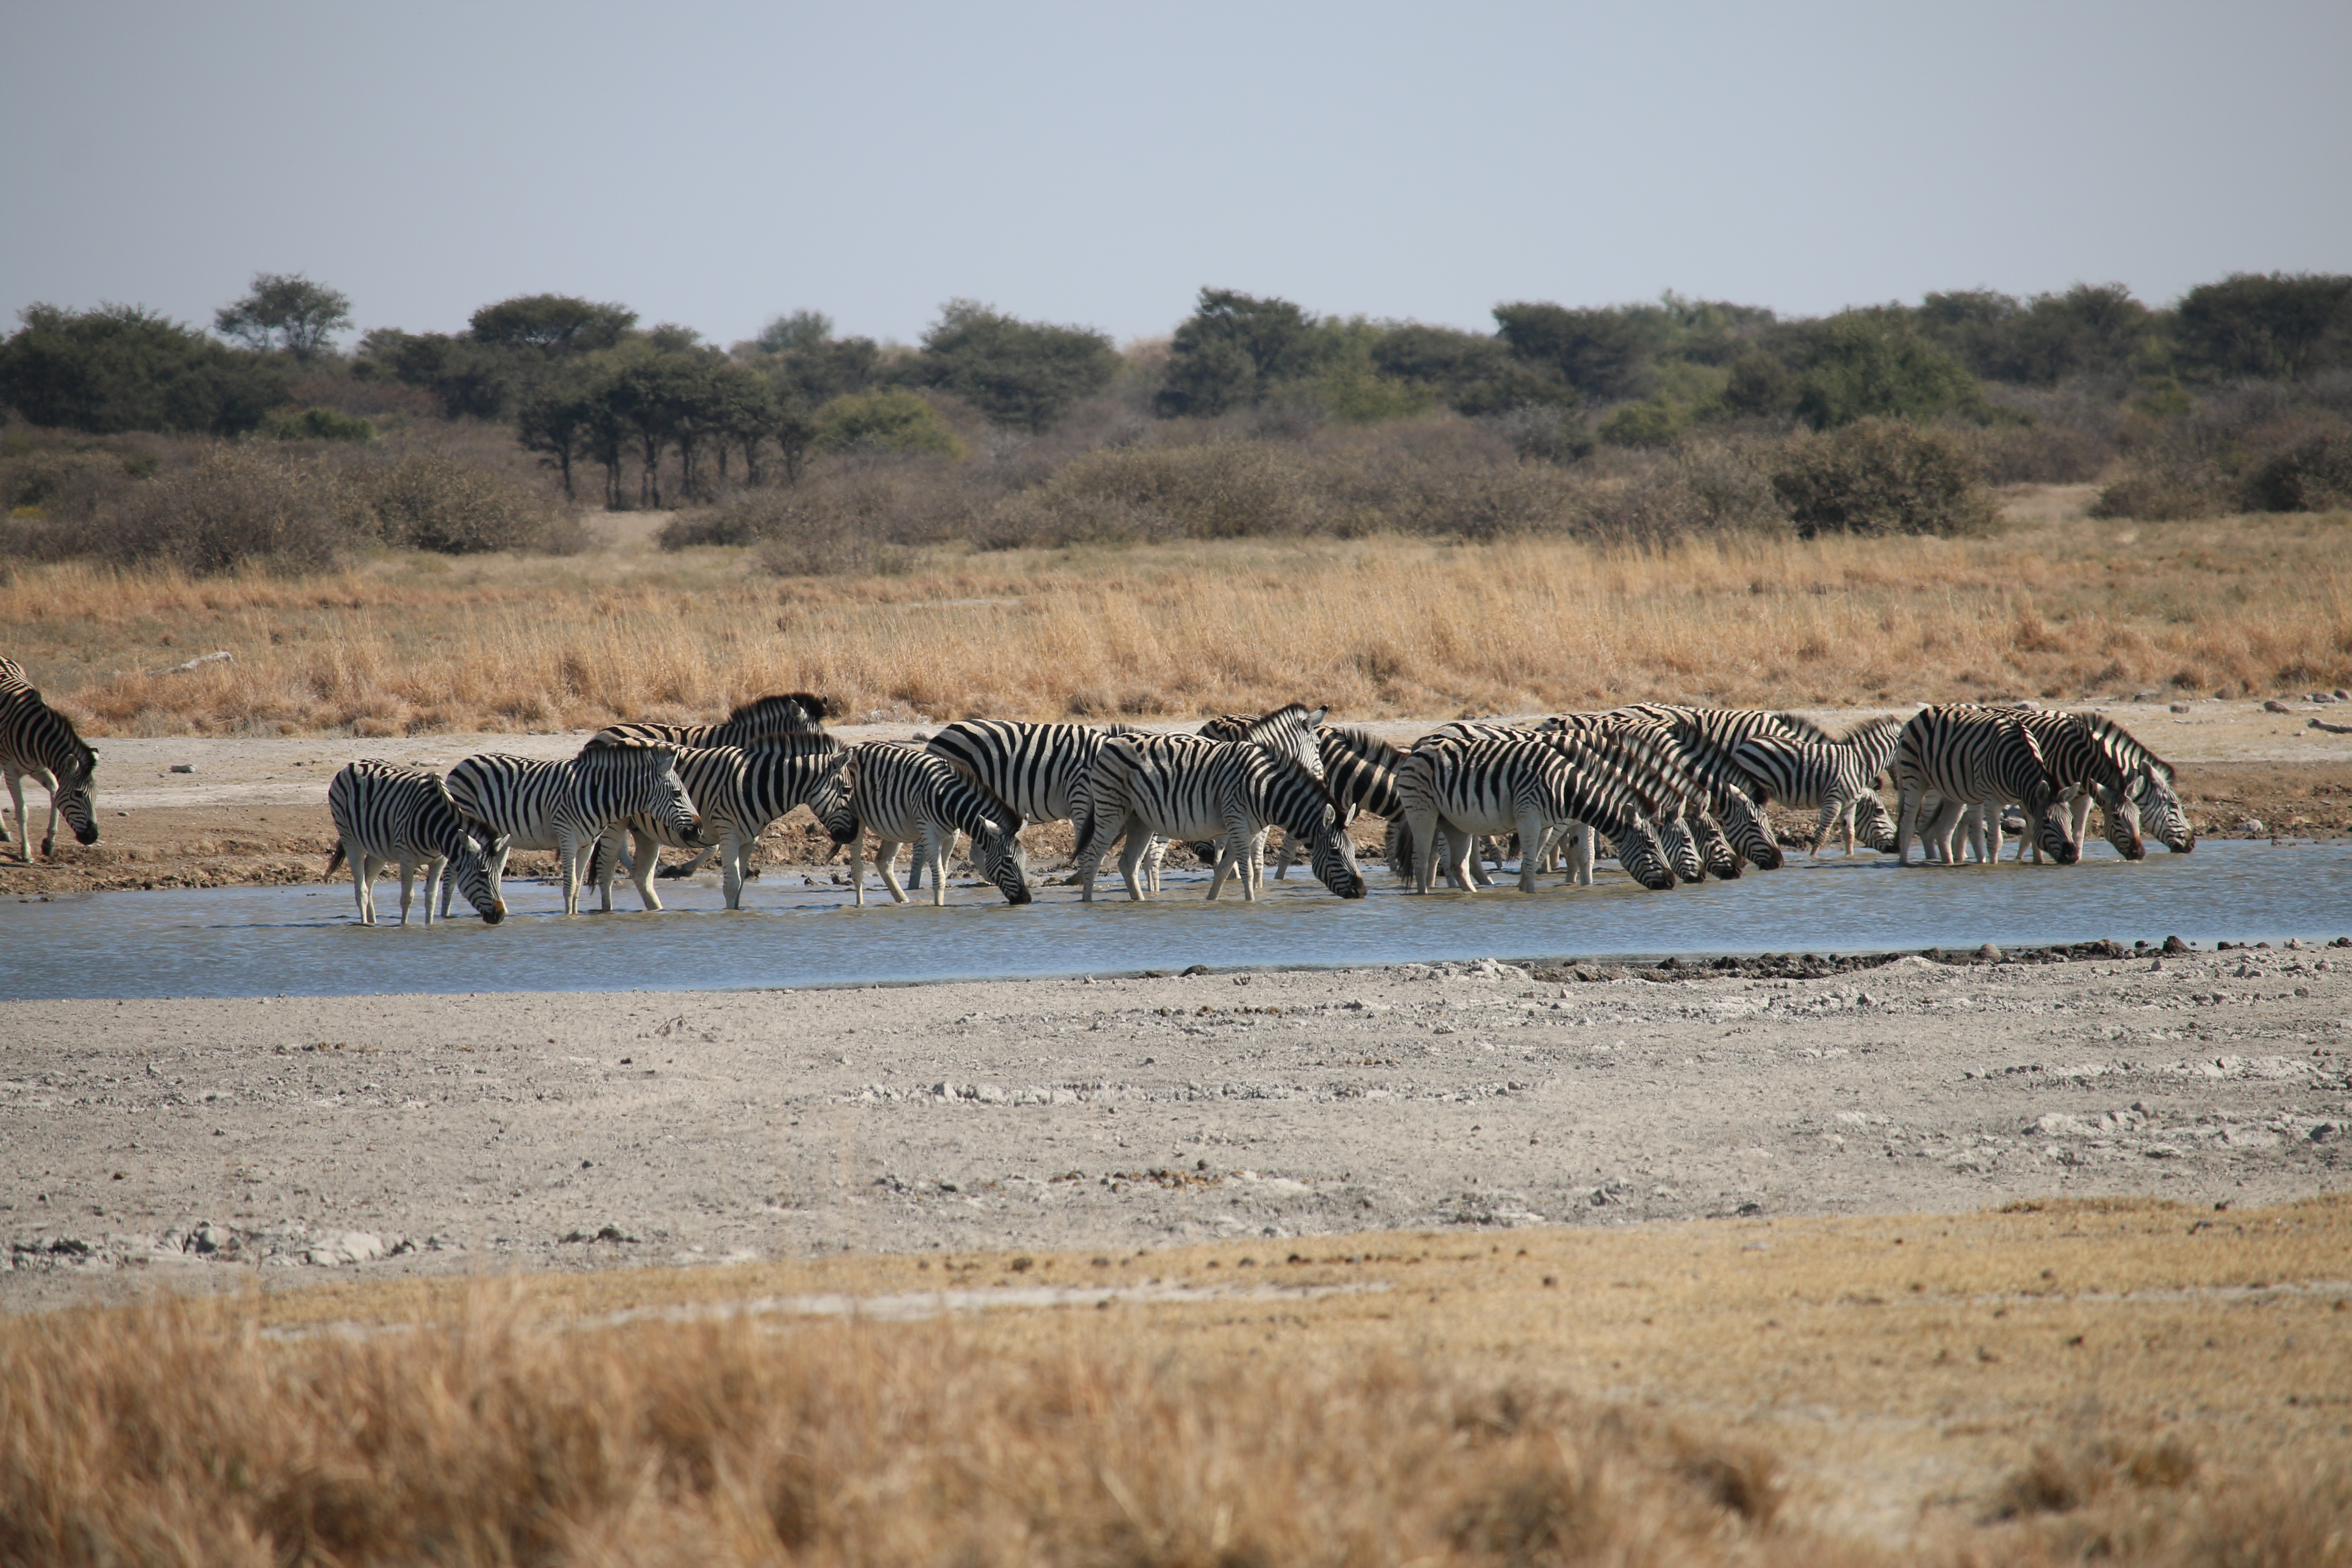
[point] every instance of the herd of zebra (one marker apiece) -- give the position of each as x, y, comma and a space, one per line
1676, 793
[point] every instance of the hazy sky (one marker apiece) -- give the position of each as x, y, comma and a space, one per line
719, 163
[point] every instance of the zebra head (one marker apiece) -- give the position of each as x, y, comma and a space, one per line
1872, 825
997, 855
1642, 856
469, 868
2161, 815
1334, 856
1748, 831
74, 798
1682, 848
669, 804
2122, 814
1723, 861
1297, 800
1289, 731
832, 800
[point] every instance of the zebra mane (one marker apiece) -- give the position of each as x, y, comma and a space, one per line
1289, 713
792, 710
2129, 751
1359, 743
1805, 727
1868, 730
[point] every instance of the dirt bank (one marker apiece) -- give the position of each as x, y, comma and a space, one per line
252, 812
171, 1140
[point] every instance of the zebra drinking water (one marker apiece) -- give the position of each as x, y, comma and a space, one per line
566, 806
1964, 756
38, 743
739, 791
1455, 790
1188, 787
387, 814
903, 794
1839, 778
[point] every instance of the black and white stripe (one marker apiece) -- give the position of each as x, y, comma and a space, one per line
516, 803
1189, 787
1966, 755
903, 794
1706, 739
1729, 827
386, 814
1359, 771
2084, 762
1455, 790
1837, 778
762, 718
739, 791
38, 743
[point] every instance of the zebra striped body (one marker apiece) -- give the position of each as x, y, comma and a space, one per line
1359, 771
518, 804
1287, 731
389, 814
1627, 760
903, 794
1729, 826
1838, 778
1706, 739
1038, 770
1189, 787
1965, 755
739, 791
1457, 789
37, 742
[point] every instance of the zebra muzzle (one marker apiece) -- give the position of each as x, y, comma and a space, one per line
495, 913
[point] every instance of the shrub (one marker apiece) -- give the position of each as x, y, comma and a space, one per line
1219, 490
235, 506
888, 420
2315, 476
319, 425
1703, 488
1882, 476
432, 500
120, 367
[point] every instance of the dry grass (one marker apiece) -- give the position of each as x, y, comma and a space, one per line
1379, 628
2120, 1380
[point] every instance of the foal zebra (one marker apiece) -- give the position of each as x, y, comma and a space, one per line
903, 794
518, 804
1458, 789
739, 793
386, 814
1964, 756
1839, 777
1189, 787
37, 742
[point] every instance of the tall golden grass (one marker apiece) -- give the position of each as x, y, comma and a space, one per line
1381, 627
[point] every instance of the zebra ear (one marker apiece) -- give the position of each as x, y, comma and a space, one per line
1318, 715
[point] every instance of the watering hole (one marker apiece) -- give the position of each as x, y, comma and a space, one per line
304, 940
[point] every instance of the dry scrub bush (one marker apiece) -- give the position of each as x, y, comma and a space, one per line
1882, 476
2052, 438
2315, 476
426, 499
176, 1433
234, 506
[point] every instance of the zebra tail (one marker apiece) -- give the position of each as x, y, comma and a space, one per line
334, 861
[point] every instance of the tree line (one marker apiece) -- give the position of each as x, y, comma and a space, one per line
585, 387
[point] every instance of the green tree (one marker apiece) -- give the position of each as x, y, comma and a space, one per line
1861, 363
1233, 350
1603, 354
2276, 324
123, 367
471, 380
555, 324
557, 420
789, 334
890, 419
288, 311
1022, 374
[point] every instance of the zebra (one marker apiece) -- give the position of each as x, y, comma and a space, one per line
1358, 770
1037, 770
2085, 765
904, 794
760, 719
1188, 787
1707, 738
1730, 827
1617, 754
1288, 731
1456, 789
739, 791
388, 814
1965, 754
1838, 777
12, 674
519, 804
37, 742
2161, 815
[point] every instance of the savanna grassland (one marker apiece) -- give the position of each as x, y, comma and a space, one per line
2117, 1380
2054, 606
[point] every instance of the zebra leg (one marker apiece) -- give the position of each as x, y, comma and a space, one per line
362, 881
858, 864
1581, 854
885, 860
937, 850
434, 875
1534, 837
689, 867
645, 859
24, 827
1136, 845
1907, 822
732, 850
408, 888
1422, 827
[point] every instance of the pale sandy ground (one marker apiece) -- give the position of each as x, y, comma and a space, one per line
135, 773
483, 1131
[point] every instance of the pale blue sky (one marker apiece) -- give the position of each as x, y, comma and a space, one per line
719, 163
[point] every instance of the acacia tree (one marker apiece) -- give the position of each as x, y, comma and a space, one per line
1233, 349
285, 311
555, 324
1024, 375
557, 421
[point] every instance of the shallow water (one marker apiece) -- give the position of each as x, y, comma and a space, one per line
241, 941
